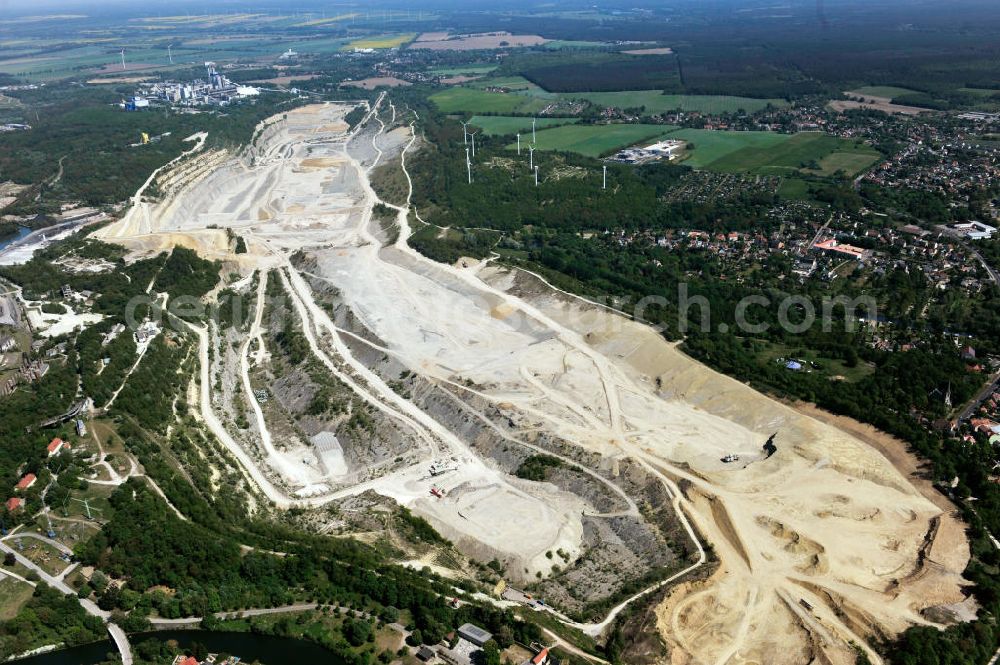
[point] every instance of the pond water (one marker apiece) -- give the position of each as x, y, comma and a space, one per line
21, 232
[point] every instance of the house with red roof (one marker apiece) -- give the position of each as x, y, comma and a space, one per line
27, 481
13, 504
541, 657
57, 446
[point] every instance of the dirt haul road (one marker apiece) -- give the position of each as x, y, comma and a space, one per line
822, 545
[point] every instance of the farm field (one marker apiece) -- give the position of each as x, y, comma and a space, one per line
979, 92
382, 41
477, 41
471, 100
888, 91
850, 162
462, 69
595, 140
498, 125
774, 154
655, 101
712, 146
515, 83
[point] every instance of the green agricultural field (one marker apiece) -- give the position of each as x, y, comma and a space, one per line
595, 140
889, 91
768, 153
980, 92
517, 84
471, 70
498, 125
655, 101
652, 100
712, 146
471, 100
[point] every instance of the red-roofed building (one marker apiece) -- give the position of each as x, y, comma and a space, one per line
541, 657
26, 482
57, 446
13, 504
831, 245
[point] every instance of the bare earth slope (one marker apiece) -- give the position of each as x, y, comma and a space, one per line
821, 545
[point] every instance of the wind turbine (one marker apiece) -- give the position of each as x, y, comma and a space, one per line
532, 130
472, 135
536, 176
170, 55
123, 59
531, 156
518, 145
465, 133
605, 184
468, 165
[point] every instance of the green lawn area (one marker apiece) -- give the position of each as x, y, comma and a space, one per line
595, 140
832, 367
883, 91
497, 125
655, 101
471, 100
462, 69
774, 154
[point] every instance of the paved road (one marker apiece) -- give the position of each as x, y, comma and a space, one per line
989, 269
980, 397
124, 648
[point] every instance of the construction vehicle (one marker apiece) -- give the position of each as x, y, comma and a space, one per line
731, 457
437, 491
441, 467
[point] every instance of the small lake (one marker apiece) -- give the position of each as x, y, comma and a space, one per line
14, 237
248, 646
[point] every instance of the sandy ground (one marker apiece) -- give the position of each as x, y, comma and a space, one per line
821, 545
54, 325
